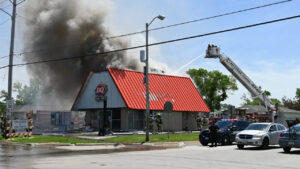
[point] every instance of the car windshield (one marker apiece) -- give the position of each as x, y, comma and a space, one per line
257, 127
295, 128
240, 125
222, 124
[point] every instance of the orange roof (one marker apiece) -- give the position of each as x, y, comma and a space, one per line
178, 90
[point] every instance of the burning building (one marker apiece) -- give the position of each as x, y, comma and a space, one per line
66, 39
121, 94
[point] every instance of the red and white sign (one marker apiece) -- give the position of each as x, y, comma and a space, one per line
100, 90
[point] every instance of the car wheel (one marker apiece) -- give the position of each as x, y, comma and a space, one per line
202, 141
287, 149
225, 140
265, 143
240, 146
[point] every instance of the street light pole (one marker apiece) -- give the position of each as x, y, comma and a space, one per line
147, 77
147, 86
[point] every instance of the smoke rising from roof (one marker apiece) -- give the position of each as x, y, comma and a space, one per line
68, 28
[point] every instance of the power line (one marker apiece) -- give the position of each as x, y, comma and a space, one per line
20, 2
4, 67
3, 2
7, 6
5, 21
3, 57
159, 43
2, 9
202, 19
158, 28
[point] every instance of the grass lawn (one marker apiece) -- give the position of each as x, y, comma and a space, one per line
119, 139
155, 138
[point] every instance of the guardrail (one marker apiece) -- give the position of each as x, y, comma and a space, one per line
26, 125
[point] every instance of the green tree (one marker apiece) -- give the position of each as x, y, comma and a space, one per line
298, 93
225, 105
292, 103
213, 86
3, 97
26, 94
255, 101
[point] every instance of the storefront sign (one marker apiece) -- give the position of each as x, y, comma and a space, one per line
100, 91
20, 124
9, 104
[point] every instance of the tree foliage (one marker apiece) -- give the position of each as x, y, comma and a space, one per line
255, 101
26, 94
3, 97
292, 103
298, 93
225, 106
213, 86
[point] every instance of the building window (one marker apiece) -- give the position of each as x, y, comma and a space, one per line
116, 120
135, 120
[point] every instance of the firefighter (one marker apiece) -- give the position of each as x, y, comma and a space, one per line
159, 122
151, 122
213, 131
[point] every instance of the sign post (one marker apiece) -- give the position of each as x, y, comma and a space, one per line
168, 108
9, 107
100, 92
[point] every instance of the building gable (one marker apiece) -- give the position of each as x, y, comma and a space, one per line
87, 97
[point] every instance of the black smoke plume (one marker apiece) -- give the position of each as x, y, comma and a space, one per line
69, 28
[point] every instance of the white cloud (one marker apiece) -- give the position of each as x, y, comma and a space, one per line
280, 82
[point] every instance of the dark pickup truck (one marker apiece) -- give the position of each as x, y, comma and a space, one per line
226, 133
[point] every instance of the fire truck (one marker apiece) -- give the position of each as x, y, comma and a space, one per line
273, 113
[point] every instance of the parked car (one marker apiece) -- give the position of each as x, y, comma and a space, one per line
227, 131
290, 138
260, 134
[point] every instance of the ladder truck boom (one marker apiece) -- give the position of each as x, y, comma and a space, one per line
214, 52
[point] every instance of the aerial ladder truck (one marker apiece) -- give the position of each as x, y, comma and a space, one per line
274, 114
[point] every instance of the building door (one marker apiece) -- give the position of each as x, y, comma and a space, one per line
115, 120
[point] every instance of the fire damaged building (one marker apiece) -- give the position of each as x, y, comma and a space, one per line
116, 98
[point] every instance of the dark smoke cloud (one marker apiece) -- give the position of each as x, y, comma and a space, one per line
69, 28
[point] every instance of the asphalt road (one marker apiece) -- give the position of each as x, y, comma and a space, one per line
193, 156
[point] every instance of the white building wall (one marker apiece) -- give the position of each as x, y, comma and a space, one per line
292, 115
87, 98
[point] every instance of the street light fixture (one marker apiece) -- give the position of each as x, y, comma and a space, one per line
161, 17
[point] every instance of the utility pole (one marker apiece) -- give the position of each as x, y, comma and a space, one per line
9, 101
11, 54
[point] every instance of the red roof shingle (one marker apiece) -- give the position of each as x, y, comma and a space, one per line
178, 90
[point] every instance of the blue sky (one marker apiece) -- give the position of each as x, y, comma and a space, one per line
268, 54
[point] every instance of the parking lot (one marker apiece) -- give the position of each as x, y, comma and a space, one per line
192, 156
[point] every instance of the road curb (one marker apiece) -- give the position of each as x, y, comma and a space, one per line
100, 144
166, 144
